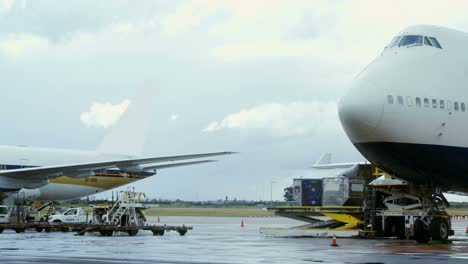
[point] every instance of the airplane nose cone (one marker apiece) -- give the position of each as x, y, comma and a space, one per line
360, 111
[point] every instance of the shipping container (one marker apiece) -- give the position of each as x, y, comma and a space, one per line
308, 192
343, 191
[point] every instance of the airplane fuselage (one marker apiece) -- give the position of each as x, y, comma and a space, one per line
407, 111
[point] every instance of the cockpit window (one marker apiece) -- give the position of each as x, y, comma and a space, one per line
393, 42
427, 41
435, 42
414, 40
410, 40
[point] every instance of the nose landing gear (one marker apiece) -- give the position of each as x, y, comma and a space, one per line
440, 229
422, 208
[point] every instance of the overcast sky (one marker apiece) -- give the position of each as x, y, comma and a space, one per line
258, 77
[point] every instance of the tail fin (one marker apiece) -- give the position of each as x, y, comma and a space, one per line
325, 159
128, 136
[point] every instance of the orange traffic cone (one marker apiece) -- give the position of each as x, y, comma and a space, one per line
334, 244
158, 219
242, 223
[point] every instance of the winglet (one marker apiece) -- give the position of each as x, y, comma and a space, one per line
325, 159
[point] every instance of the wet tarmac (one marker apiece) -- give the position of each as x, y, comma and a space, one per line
222, 240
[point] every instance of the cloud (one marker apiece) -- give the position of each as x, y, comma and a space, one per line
5, 5
182, 20
291, 119
123, 28
104, 114
348, 32
248, 31
17, 45
173, 117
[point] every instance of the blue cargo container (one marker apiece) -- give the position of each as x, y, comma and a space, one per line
308, 191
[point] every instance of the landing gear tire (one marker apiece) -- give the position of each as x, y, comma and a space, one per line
440, 229
158, 232
132, 232
20, 230
421, 232
106, 232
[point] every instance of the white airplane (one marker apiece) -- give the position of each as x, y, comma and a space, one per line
56, 174
406, 112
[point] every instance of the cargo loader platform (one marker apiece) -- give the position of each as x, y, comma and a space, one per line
322, 221
366, 202
103, 229
125, 215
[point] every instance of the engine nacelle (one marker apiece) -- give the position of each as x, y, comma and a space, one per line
23, 195
132, 168
9, 183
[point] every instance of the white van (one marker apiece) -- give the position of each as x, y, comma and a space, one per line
73, 215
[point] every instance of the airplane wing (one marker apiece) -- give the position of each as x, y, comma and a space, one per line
458, 193
336, 165
35, 177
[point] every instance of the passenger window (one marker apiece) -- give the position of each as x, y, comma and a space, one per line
442, 104
427, 42
449, 105
400, 99
426, 102
462, 107
390, 99
455, 106
410, 40
418, 102
434, 103
409, 101
435, 42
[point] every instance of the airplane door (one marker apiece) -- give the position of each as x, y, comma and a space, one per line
447, 120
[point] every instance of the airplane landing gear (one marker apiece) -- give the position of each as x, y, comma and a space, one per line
440, 229
437, 228
419, 209
421, 231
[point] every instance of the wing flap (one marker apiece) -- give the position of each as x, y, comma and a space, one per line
179, 164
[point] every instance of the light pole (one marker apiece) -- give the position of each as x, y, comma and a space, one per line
271, 191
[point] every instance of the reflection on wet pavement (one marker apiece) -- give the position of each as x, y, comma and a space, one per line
222, 240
